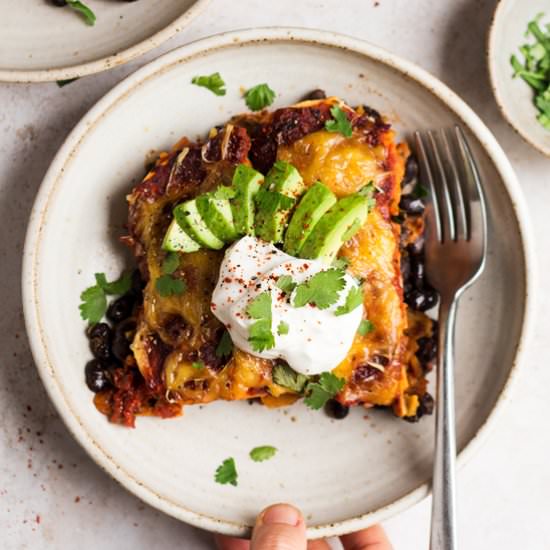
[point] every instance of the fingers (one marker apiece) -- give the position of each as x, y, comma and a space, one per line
279, 527
229, 543
373, 538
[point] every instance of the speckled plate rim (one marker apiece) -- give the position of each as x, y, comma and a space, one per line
110, 101
108, 62
494, 86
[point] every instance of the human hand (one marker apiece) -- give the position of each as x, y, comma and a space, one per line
282, 527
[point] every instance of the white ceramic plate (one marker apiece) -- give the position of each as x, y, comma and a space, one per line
513, 95
343, 474
40, 42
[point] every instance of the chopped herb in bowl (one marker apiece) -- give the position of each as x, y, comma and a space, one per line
535, 69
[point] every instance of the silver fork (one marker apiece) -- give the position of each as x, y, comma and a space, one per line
456, 246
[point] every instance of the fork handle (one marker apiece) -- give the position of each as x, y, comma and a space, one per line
443, 527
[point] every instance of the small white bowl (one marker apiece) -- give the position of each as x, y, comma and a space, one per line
514, 96
42, 43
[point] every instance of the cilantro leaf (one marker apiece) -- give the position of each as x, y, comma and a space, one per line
94, 304
282, 328
286, 284
339, 122
167, 285
213, 82
265, 452
225, 347
354, 299
170, 263
365, 326
260, 335
85, 11
321, 290
318, 393
259, 97
197, 365
121, 286
226, 472
288, 378
62, 83
260, 307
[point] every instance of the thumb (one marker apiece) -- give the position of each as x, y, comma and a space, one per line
279, 527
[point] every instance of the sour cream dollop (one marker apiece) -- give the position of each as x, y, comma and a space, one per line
317, 339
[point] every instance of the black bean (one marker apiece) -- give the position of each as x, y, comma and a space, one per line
97, 378
417, 273
411, 205
336, 409
427, 404
137, 283
316, 94
100, 341
121, 308
421, 300
427, 349
405, 267
124, 334
411, 170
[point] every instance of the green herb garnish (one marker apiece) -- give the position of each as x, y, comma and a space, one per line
167, 285
94, 298
535, 69
288, 378
197, 365
226, 472
365, 327
341, 263
318, 393
354, 299
259, 97
286, 284
259, 454
339, 123
171, 263
260, 335
225, 347
282, 328
85, 11
321, 290
213, 82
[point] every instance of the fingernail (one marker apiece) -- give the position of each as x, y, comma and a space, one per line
281, 513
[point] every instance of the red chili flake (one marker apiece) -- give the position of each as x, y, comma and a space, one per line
212, 305
77, 499
38, 519
227, 280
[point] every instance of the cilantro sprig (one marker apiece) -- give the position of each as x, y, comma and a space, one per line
288, 378
365, 326
535, 69
226, 473
259, 97
225, 347
339, 122
354, 299
286, 284
213, 82
321, 290
168, 285
260, 334
318, 393
94, 298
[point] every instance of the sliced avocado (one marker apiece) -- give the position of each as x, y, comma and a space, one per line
246, 182
189, 219
177, 240
317, 200
275, 201
217, 216
338, 225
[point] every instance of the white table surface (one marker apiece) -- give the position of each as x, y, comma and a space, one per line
53, 496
